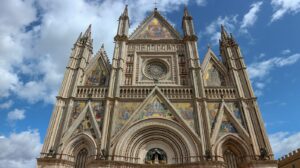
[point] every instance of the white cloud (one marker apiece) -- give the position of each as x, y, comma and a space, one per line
263, 68
284, 142
16, 114
213, 29
201, 2
250, 18
259, 71
287, 51
33, 60
6, 105
283, 7
20, 150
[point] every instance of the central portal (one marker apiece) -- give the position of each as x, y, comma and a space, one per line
156, 156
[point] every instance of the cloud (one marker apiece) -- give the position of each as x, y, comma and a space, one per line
287, 51
283, 7
232, 23
16, 114
201, 2
263, 68
284, 142
36, 39
250, 18
6, 105
259, 71
20, 150
213, 29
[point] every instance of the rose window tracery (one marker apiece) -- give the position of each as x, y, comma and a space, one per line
155, 70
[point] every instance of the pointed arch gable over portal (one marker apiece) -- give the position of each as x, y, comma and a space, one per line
172, 135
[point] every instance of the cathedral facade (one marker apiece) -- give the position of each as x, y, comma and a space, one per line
155, 104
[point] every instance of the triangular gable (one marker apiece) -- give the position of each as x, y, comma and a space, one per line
226, 122
155, 100
211, 56
86, 121
212, 66
155, 27
98, 71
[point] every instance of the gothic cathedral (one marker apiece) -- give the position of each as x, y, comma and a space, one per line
155, 104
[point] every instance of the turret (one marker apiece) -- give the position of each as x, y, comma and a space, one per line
80, 55
123, 27
187, 25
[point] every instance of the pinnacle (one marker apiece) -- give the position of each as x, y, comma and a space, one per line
186, 12
224, 34
88, 31
125, 13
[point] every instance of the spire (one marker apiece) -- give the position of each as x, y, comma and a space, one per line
79, 37
88, 31
186, 12
102, 46
125, 13
224, 34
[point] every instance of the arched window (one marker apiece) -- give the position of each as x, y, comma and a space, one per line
81, 158
156, 156
230, 159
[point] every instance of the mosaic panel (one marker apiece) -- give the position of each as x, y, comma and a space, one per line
186, 112
77, 109
98, 109
156, 109
227, 126
86, 125
123, 113
155, 30
235, 109
213, 77
213, 109
96, 77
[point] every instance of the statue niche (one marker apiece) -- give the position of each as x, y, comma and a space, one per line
156, 156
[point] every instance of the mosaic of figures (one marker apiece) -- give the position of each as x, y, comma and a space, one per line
156, 47
226, 126
155, 109
186, 112
98, 111
155, 30
96, 77
213, 77
122, 114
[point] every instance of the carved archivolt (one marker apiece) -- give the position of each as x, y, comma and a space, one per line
164, 134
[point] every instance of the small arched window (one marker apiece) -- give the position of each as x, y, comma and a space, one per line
81, 158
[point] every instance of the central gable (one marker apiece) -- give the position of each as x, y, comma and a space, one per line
155, 27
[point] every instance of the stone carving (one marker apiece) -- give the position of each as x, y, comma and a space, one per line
155, 70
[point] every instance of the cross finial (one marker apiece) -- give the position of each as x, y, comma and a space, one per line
155, 5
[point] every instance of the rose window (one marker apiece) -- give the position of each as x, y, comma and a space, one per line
156, 70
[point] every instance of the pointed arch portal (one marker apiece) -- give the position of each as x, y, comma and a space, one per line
162, 137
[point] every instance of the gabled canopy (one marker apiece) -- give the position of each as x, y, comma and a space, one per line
155, 27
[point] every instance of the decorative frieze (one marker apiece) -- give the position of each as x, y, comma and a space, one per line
156, 47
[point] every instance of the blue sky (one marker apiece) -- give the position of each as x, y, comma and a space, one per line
36, 37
